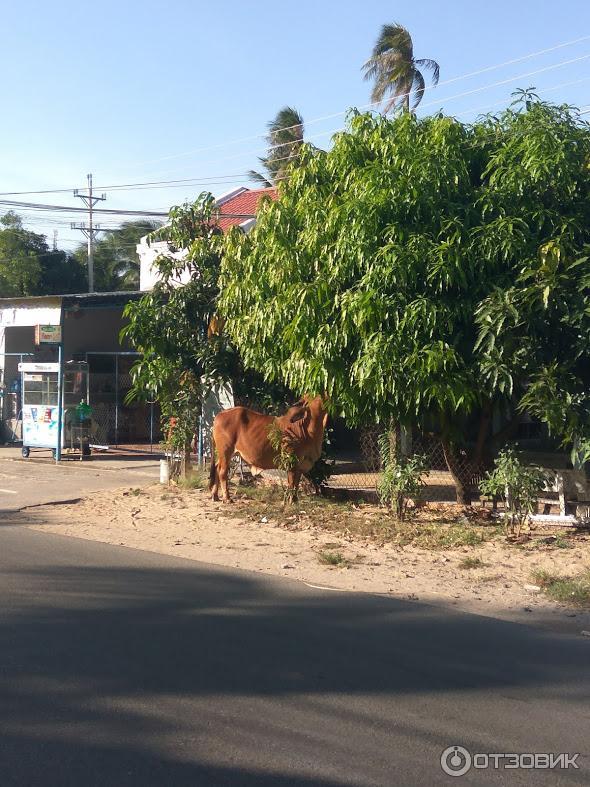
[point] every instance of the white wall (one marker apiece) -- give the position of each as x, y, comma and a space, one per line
148, 275
17, 322
23, 314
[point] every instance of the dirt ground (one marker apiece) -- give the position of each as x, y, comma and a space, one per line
338, 546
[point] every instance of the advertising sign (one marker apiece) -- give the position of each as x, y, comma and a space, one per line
26, 366
40, 425
47, 334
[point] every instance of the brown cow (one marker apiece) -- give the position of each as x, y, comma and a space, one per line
246, 432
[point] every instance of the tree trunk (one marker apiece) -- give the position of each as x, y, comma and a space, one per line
394, 441
482, 435
185, 464
455, 471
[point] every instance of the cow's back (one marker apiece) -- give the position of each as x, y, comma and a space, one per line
245, 431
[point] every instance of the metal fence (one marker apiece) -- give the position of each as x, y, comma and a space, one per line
359, 469
115, 421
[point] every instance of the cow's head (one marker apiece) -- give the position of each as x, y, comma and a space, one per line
306, 409
298, 411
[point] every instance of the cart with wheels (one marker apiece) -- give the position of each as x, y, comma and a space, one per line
40, 389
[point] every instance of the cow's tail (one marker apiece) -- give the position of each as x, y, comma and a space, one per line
212, 473
213, 468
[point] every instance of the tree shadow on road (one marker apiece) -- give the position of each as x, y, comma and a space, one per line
177, 673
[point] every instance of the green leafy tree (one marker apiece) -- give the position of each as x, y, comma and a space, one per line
176, 328
395, 71
29, 267
284, 139
20, 257
428, 272
116, 263
170, 324
61, 273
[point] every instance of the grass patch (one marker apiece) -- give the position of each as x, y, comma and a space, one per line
197, 478
566, 590
441, 536
328, 558
471, 562
491, 578
433, 527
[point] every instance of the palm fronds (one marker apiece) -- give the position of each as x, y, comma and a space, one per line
394, 70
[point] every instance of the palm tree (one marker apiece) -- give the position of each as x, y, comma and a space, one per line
395, 71
284, 139
116, 264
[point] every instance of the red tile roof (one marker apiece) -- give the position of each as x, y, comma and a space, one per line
243, 205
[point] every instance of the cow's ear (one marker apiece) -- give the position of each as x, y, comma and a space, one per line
299, 415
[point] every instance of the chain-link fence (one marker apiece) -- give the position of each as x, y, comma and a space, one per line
115, 421
358, 470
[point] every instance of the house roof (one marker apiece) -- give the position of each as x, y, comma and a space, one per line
241, 205
89, 299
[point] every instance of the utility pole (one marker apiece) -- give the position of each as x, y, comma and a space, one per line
90, 230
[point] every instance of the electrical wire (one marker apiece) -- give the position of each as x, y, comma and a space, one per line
192, 181
469, 75
499, 83
230, 178
110, 211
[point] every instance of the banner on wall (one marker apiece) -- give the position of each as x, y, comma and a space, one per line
47, 334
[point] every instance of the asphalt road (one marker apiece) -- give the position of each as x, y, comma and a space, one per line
122, 667
29, 482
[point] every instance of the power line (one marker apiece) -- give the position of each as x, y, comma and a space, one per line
204, 181
91, 230
478, 72
469, 75
221, 179
193, 181
538, 92
111, 211
423, 106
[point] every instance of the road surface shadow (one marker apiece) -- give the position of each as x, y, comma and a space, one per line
173, 673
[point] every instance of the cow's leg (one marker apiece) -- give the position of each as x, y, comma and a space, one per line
214, 480
293, 478
223, 474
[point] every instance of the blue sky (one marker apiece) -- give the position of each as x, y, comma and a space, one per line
132, 91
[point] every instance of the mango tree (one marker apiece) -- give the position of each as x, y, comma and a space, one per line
427, 271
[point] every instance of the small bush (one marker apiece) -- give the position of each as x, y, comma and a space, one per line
437, 536
196, 478
285, 459
517, 485
402, 478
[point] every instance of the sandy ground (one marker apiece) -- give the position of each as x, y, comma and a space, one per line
187, 524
